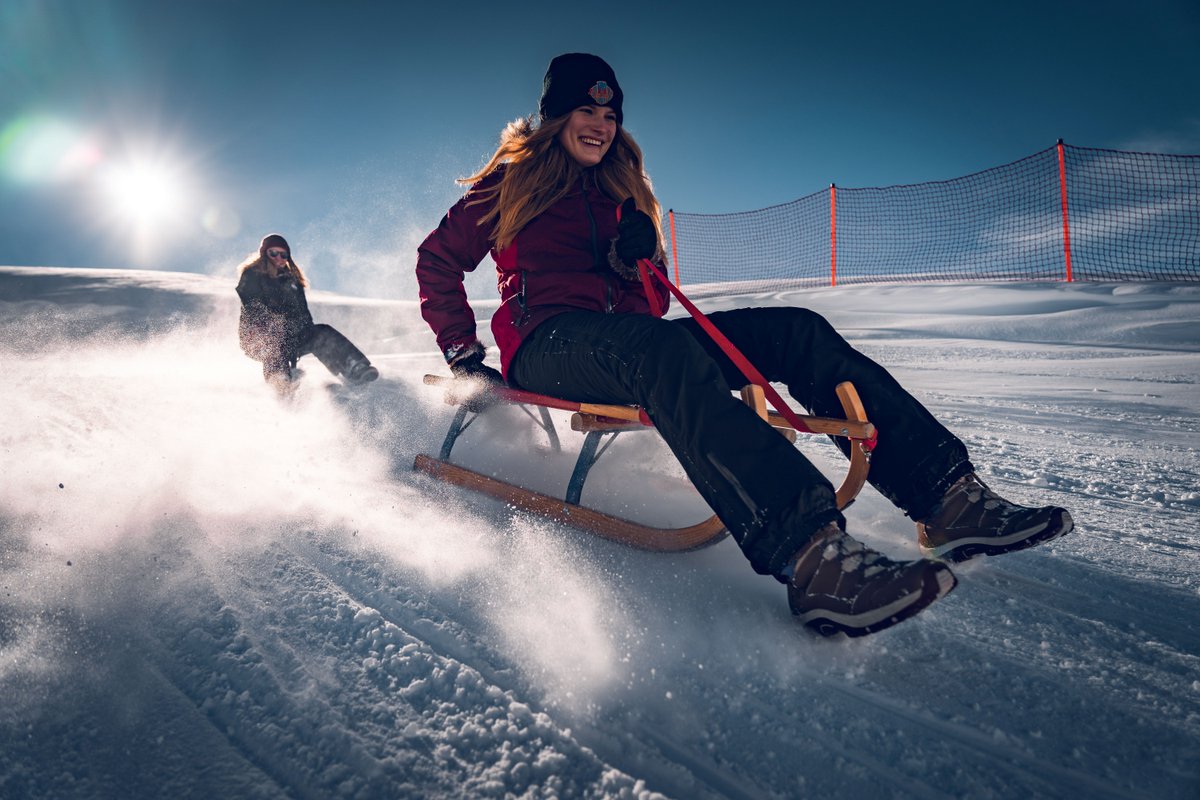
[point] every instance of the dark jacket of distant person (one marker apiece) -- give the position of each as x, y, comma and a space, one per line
275, 316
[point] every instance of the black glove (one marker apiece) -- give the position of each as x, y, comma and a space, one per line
478, 379
472, 366
636, 239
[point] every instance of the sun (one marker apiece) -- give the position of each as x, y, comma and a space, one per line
144, 193
146, 199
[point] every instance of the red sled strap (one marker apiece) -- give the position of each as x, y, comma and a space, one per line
646, 268
749, 370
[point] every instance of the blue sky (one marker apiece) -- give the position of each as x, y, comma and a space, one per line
343, 125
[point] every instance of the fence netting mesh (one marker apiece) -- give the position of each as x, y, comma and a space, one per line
1131, 216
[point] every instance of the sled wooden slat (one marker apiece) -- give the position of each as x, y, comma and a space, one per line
860, 456
854, 428
754, 397
585, 423
597, 420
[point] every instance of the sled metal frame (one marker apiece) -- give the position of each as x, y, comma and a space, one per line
601, 424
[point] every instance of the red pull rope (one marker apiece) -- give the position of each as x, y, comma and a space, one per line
655, 308
749, 370
646, 268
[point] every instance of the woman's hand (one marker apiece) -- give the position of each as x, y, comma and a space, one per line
637, 237
477, 379
472, 366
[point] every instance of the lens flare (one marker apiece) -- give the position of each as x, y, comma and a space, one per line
38, 148
221, 221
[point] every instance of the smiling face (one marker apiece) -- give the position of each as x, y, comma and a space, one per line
588, 134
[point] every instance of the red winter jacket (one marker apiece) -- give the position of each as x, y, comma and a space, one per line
558, 262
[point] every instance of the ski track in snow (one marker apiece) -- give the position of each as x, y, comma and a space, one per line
233, 597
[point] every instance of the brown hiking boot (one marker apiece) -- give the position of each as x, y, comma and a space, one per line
842, 586
972, 520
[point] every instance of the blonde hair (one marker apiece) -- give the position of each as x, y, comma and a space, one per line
260, 262
538, 173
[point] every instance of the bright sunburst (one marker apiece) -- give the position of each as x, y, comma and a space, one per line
144, 192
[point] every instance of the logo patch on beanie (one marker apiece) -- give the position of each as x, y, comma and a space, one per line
601, 93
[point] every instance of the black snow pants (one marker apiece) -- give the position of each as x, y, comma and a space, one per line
330, 347
766, 492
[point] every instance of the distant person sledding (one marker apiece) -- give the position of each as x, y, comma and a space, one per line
277, 328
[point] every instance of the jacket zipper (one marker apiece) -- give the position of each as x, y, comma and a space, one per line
596, 263
521, 301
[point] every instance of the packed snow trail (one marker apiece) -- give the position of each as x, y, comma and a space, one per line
231, 597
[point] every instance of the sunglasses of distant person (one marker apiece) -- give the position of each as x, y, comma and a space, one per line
277, 253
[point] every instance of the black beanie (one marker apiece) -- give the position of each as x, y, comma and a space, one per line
273, 240
579, 79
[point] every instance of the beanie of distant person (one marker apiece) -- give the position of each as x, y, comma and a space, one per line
273, 240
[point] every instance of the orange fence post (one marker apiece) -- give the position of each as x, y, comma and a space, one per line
674, 249
833, 234
1062, 182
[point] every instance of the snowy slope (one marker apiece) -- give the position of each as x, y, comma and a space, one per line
206, 593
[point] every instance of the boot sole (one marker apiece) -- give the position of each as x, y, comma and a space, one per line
937, 584
967, 548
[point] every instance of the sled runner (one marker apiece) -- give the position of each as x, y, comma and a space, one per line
598, 421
